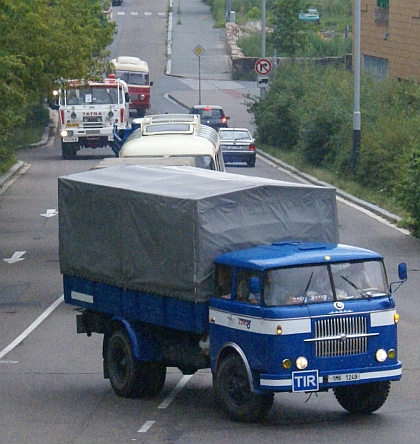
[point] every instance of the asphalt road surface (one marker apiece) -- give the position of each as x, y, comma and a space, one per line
51, 385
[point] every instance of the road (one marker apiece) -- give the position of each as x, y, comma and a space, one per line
51, 383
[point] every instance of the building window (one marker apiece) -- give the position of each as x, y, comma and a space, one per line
376, 67
382, 14
382, 4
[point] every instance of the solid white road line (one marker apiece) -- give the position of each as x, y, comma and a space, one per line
175, 391
32, 327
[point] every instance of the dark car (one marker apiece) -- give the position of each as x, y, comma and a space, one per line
237, 145
211, 115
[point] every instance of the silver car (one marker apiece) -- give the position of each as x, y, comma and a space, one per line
237, 145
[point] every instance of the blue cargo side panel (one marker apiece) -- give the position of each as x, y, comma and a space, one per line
136, 306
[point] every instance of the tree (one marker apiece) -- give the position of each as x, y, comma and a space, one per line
287, 36
44, 42
55, 39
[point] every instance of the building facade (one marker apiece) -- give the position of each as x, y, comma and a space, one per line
390, 38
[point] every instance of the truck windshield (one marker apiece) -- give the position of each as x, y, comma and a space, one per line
322, 283
133, 78
91, 96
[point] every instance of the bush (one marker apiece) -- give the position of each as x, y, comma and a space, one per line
308, 110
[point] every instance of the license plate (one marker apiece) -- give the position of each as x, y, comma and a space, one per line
70, 139
346, 377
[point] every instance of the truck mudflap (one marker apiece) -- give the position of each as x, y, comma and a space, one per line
314, 381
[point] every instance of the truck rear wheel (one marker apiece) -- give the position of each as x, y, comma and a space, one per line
125, 373
363, 398
233, 392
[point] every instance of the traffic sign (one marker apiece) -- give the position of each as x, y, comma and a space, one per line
263, 67
262, 81
199, 51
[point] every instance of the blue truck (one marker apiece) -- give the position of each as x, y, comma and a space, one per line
179, 267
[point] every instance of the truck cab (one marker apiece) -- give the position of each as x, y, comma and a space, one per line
88, 113
303, 317
135, 72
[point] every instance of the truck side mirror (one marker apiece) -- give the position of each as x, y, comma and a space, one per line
402, 275
151, 83
127, 97
402, 271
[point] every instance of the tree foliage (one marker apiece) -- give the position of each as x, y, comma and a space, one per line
287, 36
308, 110
43, 42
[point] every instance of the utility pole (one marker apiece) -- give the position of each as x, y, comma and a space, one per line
263, 14
228, 9
356, 65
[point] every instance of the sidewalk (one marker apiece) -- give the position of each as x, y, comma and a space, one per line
208, 76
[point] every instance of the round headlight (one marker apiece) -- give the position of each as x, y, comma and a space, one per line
380, 355
301, 363
63, 133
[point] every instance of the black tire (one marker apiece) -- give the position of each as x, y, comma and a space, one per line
154, 374
251, 163
125, 373
363, 398
233, 392
68, 151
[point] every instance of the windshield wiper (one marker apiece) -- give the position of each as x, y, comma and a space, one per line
307, 288
362, 292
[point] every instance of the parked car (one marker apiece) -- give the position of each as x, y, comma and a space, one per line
211, 115
237, 145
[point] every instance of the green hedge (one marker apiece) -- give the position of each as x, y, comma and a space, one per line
309, 109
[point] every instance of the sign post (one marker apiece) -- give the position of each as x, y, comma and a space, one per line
199, 51
263, 68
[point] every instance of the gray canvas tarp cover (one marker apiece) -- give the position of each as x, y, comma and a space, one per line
158, 229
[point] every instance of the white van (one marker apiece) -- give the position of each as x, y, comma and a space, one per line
178, 137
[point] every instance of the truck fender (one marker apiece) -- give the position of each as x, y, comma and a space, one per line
134, 341
144, 347
229, 348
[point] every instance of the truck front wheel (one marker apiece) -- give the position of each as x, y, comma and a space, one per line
233, 392
125, 373
363, 398
68, 150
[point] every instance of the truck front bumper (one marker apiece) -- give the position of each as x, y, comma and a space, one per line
314, 381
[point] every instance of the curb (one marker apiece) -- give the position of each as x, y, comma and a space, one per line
48, 134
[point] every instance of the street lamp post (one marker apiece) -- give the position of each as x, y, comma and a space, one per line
356, 109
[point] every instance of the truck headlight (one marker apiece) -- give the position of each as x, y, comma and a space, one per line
301, 363
381, 355
63, 133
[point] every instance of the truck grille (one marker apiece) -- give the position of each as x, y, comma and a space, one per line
341, 336
92, 122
